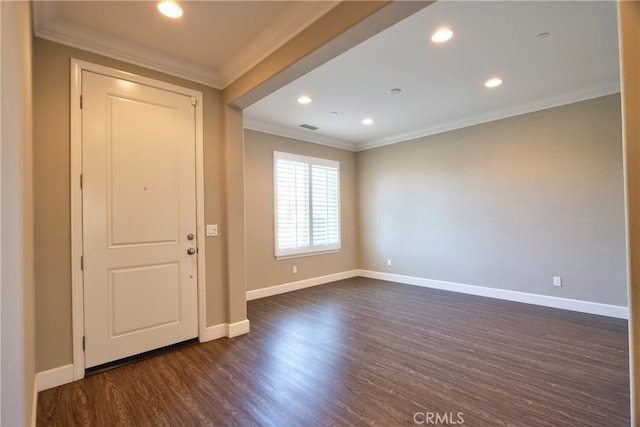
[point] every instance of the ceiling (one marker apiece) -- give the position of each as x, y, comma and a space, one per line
213, 43
441, 84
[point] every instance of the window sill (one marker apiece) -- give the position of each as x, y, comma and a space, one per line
306, 254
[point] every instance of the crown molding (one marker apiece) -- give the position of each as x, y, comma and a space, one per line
551, 102
296, 18
70, 34
530, 107
299, 134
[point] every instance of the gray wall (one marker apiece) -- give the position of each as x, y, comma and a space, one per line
263, 270
506, 204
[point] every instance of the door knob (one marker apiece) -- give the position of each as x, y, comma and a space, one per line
191, 251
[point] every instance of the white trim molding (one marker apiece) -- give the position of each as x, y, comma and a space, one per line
214, 332
34, 402
300, 284
238, 328
296, 133
77, 280
503, 294
255, 124
66, 374
50, 25
491, 116
54, 377
228, 330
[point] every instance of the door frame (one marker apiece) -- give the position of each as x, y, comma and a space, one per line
77, 280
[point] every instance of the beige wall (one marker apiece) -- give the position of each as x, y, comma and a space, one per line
346, 25
52, 194
263, 270
507, 204
629, 20
234, 235
223, 148
17, 311
349, 23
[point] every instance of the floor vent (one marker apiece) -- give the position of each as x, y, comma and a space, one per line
306, 126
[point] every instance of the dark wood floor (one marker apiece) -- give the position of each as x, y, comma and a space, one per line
368, 352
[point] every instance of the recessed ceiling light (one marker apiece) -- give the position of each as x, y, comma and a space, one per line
442, 35
493, 82
395, 91
170, 9
304, 99
368, 121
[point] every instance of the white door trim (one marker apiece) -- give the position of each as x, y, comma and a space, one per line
77, 293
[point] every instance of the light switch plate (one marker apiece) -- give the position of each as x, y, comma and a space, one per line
212, 230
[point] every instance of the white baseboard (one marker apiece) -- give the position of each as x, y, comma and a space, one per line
238, 328
223, 330
64, 374
301, 284
54, 377
34, 402
214, 332
619, 312
616, 311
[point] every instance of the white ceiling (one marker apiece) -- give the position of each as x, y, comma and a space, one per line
213, 43
442, 85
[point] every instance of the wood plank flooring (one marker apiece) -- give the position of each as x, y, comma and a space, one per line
368, 352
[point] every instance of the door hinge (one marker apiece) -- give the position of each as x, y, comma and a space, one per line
81, 182
84, 344
81, 102
82, 262
194, 101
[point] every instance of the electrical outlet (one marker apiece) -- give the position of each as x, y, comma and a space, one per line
389, 261
557, 281
295, 269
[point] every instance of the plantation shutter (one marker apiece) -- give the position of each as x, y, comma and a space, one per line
307, 205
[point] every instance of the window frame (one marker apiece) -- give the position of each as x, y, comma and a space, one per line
310, 249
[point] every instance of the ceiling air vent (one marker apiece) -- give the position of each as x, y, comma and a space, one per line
306, 126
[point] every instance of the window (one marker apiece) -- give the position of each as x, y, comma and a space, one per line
307, 205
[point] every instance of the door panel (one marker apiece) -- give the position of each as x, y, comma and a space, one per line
140, 284
142, 194
129, 290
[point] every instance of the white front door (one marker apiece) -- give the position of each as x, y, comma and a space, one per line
138, 219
